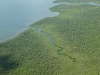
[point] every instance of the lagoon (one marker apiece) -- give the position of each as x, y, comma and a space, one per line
17, 15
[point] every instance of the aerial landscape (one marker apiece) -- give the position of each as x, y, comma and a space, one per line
62, 40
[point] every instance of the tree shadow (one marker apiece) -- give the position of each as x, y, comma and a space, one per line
6, 64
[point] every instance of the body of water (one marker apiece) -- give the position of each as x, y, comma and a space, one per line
17, 15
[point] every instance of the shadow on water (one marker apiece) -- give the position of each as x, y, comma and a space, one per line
6, 64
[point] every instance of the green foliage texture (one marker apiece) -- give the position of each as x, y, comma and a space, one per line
76, 29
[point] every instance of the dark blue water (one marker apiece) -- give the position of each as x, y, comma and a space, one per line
17, 15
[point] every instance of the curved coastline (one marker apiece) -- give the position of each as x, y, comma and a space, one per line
53, 14
23, 22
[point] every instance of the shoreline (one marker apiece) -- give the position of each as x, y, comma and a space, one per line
26, 27
57, 13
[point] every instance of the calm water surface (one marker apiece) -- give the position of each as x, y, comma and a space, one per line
17, 15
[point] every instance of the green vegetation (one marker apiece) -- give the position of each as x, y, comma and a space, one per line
77, 1
28, 54
75, 29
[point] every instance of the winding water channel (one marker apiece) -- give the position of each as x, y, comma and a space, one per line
17, 15
53, 42
52, 39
